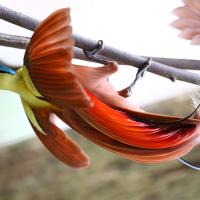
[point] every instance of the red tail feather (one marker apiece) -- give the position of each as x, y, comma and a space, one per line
120, 126
144, 155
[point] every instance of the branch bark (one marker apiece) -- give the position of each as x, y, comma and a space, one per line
21, 42
13, 41
110, 52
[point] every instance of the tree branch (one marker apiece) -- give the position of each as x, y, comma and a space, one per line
110, 52
17, 18
21, 42
13, 41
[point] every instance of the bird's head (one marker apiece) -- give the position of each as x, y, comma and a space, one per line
4, 69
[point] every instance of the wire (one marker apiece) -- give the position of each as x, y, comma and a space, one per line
185, 162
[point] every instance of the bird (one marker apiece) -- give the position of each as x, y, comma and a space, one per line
50, 85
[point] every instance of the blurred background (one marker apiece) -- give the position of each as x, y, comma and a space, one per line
29, 171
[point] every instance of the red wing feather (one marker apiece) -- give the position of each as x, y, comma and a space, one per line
57, 142
48, 60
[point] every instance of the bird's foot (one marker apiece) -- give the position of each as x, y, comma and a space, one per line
91, 55
127, 92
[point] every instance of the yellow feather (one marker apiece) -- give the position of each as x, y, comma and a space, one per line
27, 90
29, 82
21, 84
31, 116
8, 82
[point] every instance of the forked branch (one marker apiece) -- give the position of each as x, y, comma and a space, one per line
122, 57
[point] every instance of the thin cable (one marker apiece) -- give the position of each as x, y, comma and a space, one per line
188, 164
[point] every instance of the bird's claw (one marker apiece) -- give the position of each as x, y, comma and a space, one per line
127, 92
91, 55
143, 68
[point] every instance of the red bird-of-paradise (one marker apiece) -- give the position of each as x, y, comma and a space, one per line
49, 84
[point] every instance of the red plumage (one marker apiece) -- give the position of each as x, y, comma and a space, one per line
86, 101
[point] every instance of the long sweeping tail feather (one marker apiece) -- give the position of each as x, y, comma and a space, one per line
143, 155
122, 126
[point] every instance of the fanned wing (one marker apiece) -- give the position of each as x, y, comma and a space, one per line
144, 155
189, 20
48, 60
123, 126
55, 140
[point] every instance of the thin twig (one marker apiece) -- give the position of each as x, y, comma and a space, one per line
110, 52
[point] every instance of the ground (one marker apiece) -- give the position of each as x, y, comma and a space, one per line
29, 172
